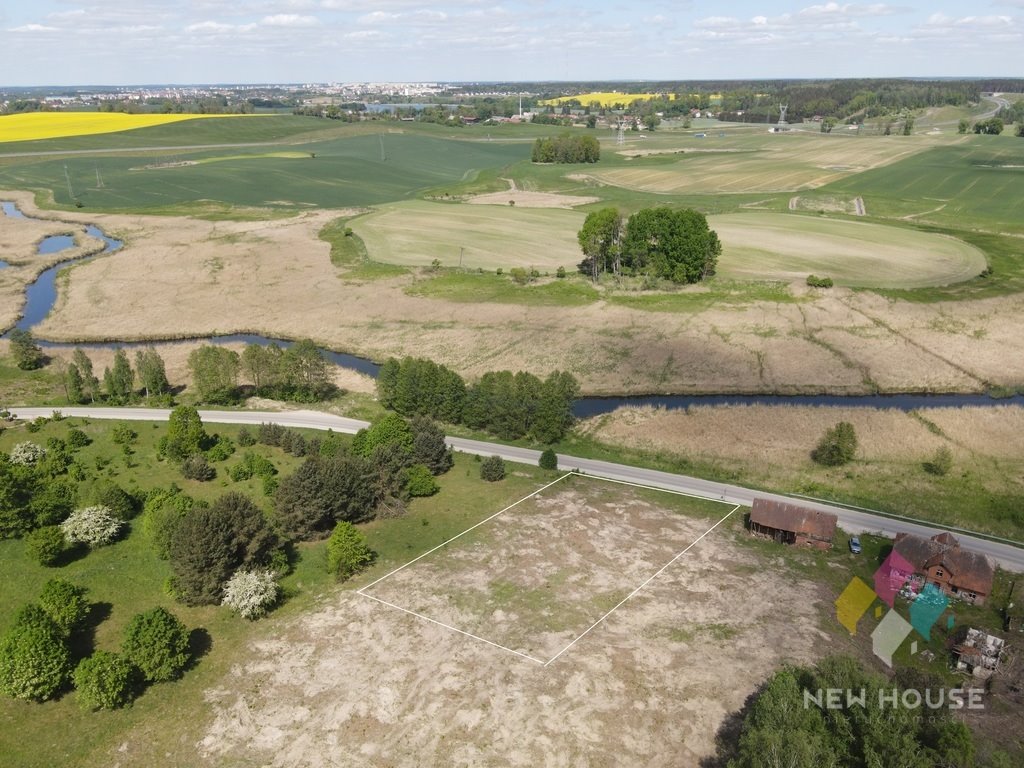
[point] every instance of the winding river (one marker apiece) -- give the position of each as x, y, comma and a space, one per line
41, 295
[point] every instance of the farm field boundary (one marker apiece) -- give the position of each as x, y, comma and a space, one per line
546, 659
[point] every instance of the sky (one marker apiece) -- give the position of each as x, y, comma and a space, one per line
124, 42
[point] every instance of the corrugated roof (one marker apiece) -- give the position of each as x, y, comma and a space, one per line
792, 517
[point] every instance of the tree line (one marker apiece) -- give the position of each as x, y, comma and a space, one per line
566, 149
781, 729
665, 243
509, 405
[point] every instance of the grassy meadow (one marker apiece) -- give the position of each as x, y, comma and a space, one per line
127, 577
417, 232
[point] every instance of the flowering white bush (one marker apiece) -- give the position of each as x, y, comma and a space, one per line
251, 593
27, 454
94, 526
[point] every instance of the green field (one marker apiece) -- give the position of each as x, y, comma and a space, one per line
353, 168
977, 184
770, 246
487, 236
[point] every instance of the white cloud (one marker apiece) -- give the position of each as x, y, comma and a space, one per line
210, 27
290, 20
378, 17
848, 9
33, 28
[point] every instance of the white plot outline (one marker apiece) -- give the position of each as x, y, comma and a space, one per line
362, 590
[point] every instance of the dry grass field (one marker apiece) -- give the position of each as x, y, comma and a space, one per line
251, 276
358, 682
19, 241
762, 163
770, 446
766, 246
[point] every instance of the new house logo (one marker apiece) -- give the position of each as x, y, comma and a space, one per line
893, 629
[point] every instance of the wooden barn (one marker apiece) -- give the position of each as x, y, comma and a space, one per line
792, 524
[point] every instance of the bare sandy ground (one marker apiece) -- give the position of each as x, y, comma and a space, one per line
527, 199
185, 278
359, 683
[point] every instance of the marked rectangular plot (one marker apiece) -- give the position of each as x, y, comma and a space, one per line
536, 577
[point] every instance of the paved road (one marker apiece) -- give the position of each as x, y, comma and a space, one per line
1010, 556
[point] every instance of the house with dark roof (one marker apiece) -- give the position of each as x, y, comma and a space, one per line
792, 524
941, 561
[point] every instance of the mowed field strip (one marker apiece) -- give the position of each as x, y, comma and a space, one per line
761, 163
536, 577
767, 246
417, 232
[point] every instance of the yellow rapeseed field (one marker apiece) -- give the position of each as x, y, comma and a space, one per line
31, 126
605, 99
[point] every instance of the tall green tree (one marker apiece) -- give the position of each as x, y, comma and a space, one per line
601, 241
215, 373
90, 384
74, 384
118, 381
152, 373
306, 370
208, 544
262, 365
323, 491
185, 434
673, 244
26, 353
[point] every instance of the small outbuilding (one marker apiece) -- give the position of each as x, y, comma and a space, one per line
978, 653
792, 524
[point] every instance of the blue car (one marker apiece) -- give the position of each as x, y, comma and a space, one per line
855, 545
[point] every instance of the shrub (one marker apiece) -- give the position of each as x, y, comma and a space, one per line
251, 593
114, 498
157, 643
164, 508
122, 434
269, 485
560, 272
941, 462
196, 467
819, 282
221, 450
271, 434
519, 275
246, 438
77, 438
548, 459
492, 469
419, 481
65, 604
96, 526
35, 662
347, 551
185, 434
46, 545
837, 447
27, 454
105, 680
